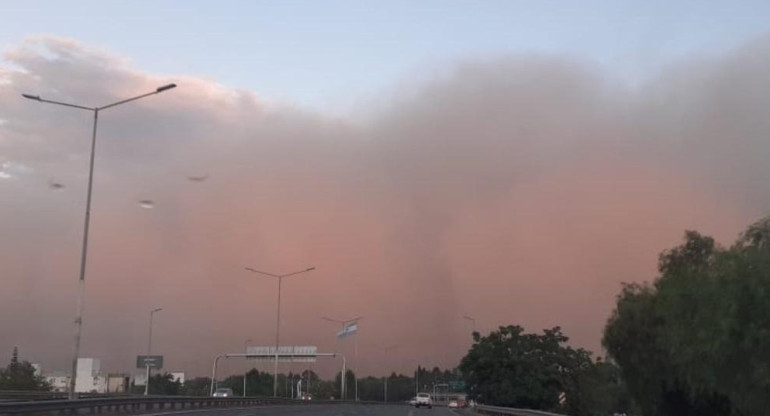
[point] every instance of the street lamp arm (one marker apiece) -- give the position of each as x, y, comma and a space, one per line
104, 107
279, 275
257, 271
157, 91
43, 100
298, 272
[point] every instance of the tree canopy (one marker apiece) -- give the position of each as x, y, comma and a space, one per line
696, 341
512, 368
20, 375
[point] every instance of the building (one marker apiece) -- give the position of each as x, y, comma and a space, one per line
59, 381
118, 383
140, 379
89, 379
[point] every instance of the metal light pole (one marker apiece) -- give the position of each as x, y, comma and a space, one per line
355, 344
417, 380
387, 375
473, 322
246, 351
278, 318
149, 351
84, 249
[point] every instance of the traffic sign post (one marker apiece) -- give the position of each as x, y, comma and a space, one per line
151, 361
147, 362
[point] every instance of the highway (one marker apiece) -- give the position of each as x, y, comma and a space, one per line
320, 410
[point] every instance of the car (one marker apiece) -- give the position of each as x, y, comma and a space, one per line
223, 392
423, 399
462, 404
453, 404
413, 401
307, 396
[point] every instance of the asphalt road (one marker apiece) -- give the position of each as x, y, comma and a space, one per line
320, 410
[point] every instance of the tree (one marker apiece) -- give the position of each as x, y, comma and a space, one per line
350, 385
164, 385
258, 383
198, 386
325, 390
695, 342
20, 375
598, 389
511, 368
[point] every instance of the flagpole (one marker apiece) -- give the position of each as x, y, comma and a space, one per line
355, 354
349, 328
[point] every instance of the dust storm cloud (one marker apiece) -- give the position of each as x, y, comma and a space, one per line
521, 189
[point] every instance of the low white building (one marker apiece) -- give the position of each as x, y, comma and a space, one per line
59, 381
118, 383
140, 379
89, 379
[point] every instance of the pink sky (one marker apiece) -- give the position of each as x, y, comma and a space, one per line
521, 190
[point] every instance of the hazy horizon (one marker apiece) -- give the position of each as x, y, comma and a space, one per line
518, 189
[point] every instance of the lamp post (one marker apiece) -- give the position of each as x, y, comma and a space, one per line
278, 317
84, 247
149, 351
245, 351
344, 323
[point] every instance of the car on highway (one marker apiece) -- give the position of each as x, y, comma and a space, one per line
453, 404
413, 401
223, 392
423, 399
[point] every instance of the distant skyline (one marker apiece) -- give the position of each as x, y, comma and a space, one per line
335, 56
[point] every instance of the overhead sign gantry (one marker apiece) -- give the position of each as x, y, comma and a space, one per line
302, 354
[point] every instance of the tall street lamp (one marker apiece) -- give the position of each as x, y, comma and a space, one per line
344, 324
84, 249
149, 351
278, 317
245, 351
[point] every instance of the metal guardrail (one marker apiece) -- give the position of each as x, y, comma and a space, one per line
510, 411
27, 395
136, 405
148, 404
